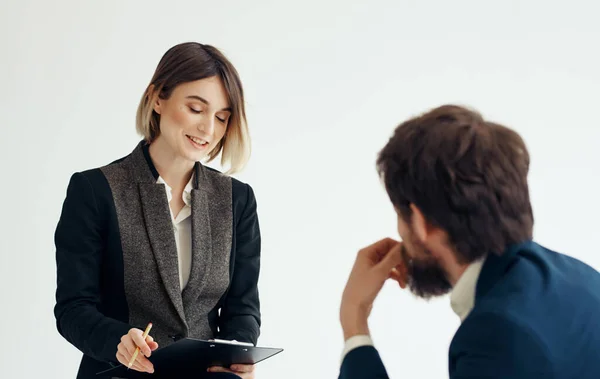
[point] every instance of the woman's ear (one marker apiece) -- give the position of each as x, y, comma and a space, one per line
154, 98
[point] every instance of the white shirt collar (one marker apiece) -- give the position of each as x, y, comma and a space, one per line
462, 298
187, 191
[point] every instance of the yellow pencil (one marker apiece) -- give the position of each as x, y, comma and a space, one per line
137, 349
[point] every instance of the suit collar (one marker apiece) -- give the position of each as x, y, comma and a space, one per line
187, 190
146, 152
462, 298
210, 226
496, 266
145, 171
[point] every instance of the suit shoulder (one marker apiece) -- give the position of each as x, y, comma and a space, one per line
94, 172
498, 332
568, 264
243, 191
215, 175
96, 178
494, 344
240, 189
482, 317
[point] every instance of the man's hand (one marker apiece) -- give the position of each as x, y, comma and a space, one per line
243, 371
373, 266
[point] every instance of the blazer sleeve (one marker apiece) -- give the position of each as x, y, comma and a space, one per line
79, 248
363, 363
495, 347
240, 313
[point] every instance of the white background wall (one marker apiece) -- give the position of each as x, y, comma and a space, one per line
326, 83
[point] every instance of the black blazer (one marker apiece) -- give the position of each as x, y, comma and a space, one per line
536, 316
117, 262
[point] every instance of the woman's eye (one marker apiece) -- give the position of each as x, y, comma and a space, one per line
222, 120
195, 110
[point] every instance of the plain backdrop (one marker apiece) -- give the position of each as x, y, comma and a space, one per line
326, 83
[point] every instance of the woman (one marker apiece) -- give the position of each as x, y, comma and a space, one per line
158, 237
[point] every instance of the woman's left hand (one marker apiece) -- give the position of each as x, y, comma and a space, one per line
243, 371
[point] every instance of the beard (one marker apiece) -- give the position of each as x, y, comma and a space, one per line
426, 277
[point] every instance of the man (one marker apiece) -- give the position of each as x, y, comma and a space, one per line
459, 186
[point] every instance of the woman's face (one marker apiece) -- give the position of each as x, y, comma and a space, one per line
194, 118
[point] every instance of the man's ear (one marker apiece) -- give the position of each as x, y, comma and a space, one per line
424, 230
419, 225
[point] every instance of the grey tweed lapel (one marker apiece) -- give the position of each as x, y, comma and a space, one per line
155, 208
211, 232
150, 251
201, 246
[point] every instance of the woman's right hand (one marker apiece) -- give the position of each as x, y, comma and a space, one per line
129, 342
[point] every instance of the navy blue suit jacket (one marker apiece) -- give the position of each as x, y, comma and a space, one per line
536, 315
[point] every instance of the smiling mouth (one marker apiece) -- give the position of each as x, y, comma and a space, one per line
197, 141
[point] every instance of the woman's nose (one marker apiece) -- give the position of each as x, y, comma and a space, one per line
207, 125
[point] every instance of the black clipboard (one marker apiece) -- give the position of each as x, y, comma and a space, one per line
190, 357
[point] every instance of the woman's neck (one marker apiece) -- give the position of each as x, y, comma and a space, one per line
174, 170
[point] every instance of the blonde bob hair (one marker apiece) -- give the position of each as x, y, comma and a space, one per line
189, 62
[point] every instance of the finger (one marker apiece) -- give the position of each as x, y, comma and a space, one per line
375, 252
128, 345
242, 368
138, 338
395, 274
399, 276
150, 341
138, 367
124, 360
140, 360
392, 258
143, 361
219, 369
